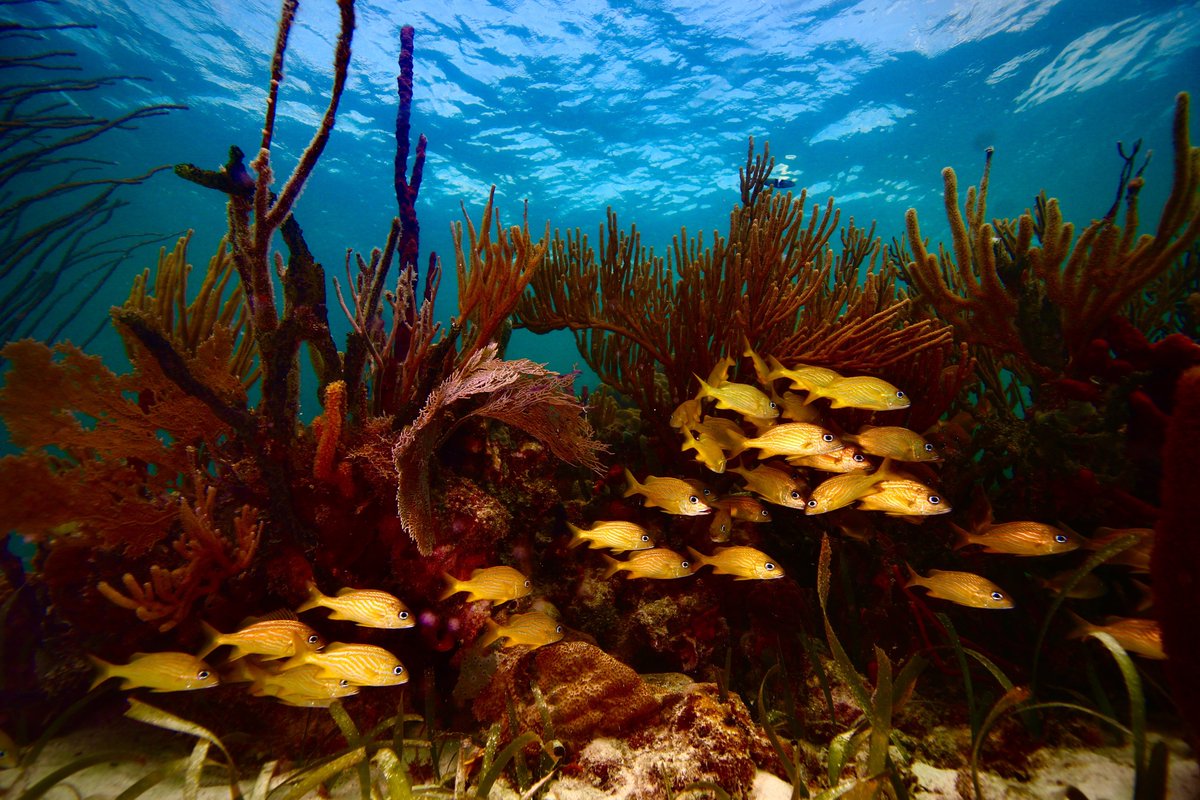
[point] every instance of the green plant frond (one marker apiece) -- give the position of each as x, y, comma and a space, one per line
143, 712
507, 754
881, 715
842, 750
350, 732
848, 673
1137, 701
193, 769
308, 780
706, 786
56, 777
262, 786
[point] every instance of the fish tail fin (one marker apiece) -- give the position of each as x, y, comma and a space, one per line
698, 559
212, 640
491, 634
104, 670
1080, 627
453, 586
747, 350
963, 537
739, 445
613, 566
913, 578
632, 486
315, 598
705, 389
689, 440
577, 537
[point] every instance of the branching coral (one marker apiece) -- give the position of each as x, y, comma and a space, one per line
773, 280
996, 285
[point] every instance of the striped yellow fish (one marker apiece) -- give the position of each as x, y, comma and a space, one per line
743, 506
803, 377
721, 526
1140, 636
891, 441
686, 414
744, 563
725, 432
774, 486
1018, 538
862, 392
747, 400
158, 672
708, 450
615, 535
964, 588
902, 497
659, 563
368, 608
301, 686
360, 664
497, 584
840, 491
533, 629
849, 459
791, 439
670, 494
271, 638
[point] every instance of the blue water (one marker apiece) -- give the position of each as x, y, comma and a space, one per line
642, 106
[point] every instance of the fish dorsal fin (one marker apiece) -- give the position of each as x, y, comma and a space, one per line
345, 590
278, 614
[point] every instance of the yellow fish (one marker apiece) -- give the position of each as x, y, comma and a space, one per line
725, 432
895, 442
743, 506
9, 753
747, 400
670, 494
1019, 538
793, 407
964, 588
1140, 636
761, 371
1136, 557
361, 664
301, 686
534, 629
804, 377
774, 486
720, 371
862, 392
708, 450
659, 563
616, 535
271, 638
498, 584
686, 414
840, 491
369, 608
744, 563
721, 525
158, 672
1089, 588
847, 459
791, 439
902, 497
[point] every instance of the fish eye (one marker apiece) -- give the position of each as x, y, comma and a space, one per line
558, 628
645, 538
934, 499
899, 393
795, 495
1061, 538
765, 513
693, 499
773, 404
398, 670
769, 566
202, 674
685, 565
928, 447
811, 504
404, 615
313, 639
828, 437
343, 683
859, 457
527, 584
997, 596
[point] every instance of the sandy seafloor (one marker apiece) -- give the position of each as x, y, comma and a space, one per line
1100, 774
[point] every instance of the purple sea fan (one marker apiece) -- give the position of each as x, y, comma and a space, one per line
520, 393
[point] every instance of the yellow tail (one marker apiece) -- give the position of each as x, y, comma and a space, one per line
964, 536
212, 641
614, 566
632, 486
104, 670
492, 634
315, 599
452, 586
577, 538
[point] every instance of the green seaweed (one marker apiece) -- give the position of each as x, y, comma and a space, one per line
144, 712
310, 779
56, 777
791, 763
354, 740
509, 753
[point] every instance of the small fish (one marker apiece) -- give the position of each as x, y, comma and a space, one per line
369, 608
847, 459
761, 371
779, 183
670, 494
720, 371
659, 563
1140, 636
158, 672
775, 486
721, 526
1136, 557
708, 450
301, 686
725, 432
794, 408
743, 506
497, 584
616, 535
895, 442
9, 753
270, 638
698, 485
804, 377
791, 439
1018, 538
744, 563
904, 497
747, 400
1089, 588
686, 414
533, 629
964, 588
360, 664
863, 392
840, 491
